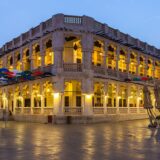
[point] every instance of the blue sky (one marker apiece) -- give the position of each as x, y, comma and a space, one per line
139, 18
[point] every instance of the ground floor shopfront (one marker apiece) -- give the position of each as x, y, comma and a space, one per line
73, 97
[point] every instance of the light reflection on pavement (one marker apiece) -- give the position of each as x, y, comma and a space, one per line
107, 141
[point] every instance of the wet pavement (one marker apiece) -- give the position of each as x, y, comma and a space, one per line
130, 140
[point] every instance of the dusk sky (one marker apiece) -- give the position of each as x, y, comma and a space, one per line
139, 18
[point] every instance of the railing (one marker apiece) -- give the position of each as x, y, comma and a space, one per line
123, 75
73, 19
72, 67
27, 110
99, 69
98, 110
48, 111
111, 110
18, 110
123, 110
142, 110
112, 72
37, 110
73, 110
133, 110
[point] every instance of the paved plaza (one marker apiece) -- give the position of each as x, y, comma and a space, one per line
130, 140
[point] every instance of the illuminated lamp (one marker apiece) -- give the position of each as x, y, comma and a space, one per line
88, 96
56, 95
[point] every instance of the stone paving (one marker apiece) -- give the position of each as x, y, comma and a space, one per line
130, 140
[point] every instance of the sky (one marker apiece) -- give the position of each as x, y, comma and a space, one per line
139, 18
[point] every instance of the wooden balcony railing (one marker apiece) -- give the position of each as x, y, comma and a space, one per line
73, 110
18, 110
142, 110
133, 110
111, 110
37, 110
27, 110
98, 110
99, 70
111, 72
72, 67
48, 110
123, 110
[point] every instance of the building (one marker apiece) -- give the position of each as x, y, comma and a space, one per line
98, 72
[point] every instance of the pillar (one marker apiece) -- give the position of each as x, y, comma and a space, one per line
87, 49
58, 96
117, 60
138, 63
58, 47
128, 61
30, 57
117, 97
88, 95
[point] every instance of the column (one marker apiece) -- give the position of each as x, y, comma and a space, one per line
58, 97
42, 104
117, 97
117, 60
146, 66
88, 94
31, 56
87, 49
128, 61
128, 96
14, 104
138, 63
58, 47
42, 53
21, 60
105, 98
138, 98
153, 68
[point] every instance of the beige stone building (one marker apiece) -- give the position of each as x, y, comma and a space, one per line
90, 63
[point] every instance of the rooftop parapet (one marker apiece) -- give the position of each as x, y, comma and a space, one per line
80, 23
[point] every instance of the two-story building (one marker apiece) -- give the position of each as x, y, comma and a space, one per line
97, 73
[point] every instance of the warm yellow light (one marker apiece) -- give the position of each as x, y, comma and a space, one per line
56, 95
48, 90
39, 58
119, 97
39, 95
88, 96
50, 53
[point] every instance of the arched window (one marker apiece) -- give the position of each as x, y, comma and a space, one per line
141, 66
98, 53
133, 63
48, 94
26, 59
111, 57
72, 50
49, 55
36, 56
122, 61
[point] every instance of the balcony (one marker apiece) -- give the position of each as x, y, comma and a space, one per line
123, 110
98, 110
72, 67
27, 110
18, 110
111, 110
133, 110
112, 72
73, 110
48, 111
37, 110
99, 70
